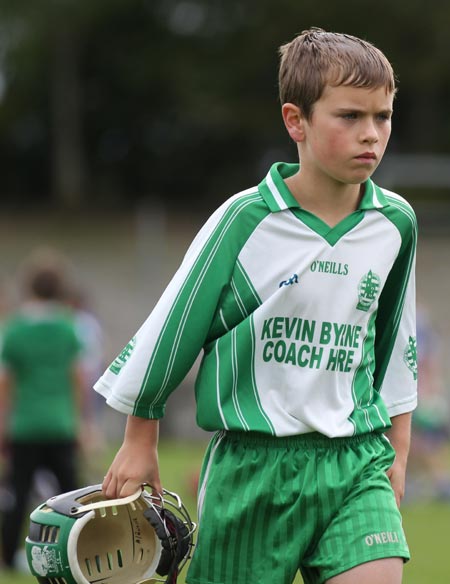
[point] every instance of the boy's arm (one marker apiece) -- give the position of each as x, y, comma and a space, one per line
159, 356
400, 437
136, 462
395, 375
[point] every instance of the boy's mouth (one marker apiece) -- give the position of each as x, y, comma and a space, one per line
366, 156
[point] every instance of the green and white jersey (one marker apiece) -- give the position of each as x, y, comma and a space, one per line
40, 351
303, 327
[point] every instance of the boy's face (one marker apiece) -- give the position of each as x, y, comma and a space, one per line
347, 134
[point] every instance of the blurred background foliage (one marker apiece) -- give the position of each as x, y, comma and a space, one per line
111, 102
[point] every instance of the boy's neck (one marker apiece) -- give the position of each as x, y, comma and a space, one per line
331, 202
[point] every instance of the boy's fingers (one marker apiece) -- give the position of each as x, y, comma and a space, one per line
110, 487
157, 488
105, 482
128, 488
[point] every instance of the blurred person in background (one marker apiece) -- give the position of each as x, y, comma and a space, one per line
5, 299
41, 394
430, 440
92, 358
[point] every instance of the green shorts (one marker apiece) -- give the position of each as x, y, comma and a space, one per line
269, 507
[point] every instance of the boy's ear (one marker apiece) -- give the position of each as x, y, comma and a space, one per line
294, 121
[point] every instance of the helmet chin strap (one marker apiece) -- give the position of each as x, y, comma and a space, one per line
126, 500
108, 503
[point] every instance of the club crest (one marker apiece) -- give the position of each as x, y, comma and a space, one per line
410, 356
368, 290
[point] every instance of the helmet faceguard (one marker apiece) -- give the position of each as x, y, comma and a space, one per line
82, 538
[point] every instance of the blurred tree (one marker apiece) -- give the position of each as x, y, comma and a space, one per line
112, 101
41, 59
68, 165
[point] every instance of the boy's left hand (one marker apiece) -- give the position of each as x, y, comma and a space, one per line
400, 437
397, 476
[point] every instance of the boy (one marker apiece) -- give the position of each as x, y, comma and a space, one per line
301, 293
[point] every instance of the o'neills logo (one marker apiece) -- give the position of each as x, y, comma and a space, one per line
381, 538
329, 267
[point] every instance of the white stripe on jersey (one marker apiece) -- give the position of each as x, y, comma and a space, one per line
275, 192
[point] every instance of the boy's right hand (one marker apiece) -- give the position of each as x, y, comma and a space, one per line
136, 462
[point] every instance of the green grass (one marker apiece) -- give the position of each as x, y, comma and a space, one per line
426, 524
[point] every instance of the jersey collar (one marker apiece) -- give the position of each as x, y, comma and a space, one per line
278, 197
274, 190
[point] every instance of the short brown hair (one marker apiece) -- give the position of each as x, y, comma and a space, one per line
316, 58
47, 284
44, 275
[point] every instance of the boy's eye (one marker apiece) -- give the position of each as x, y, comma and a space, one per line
381, 117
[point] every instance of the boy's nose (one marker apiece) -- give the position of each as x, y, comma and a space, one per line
369, 133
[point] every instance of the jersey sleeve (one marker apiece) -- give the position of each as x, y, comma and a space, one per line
395, 346
163, 350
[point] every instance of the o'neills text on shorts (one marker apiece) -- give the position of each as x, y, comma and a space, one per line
381, 538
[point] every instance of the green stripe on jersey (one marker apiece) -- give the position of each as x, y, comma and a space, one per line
369, 408
239, 299
188, 322
390, 306
235, 403
245, 294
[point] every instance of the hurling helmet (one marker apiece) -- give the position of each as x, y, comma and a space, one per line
81, 537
